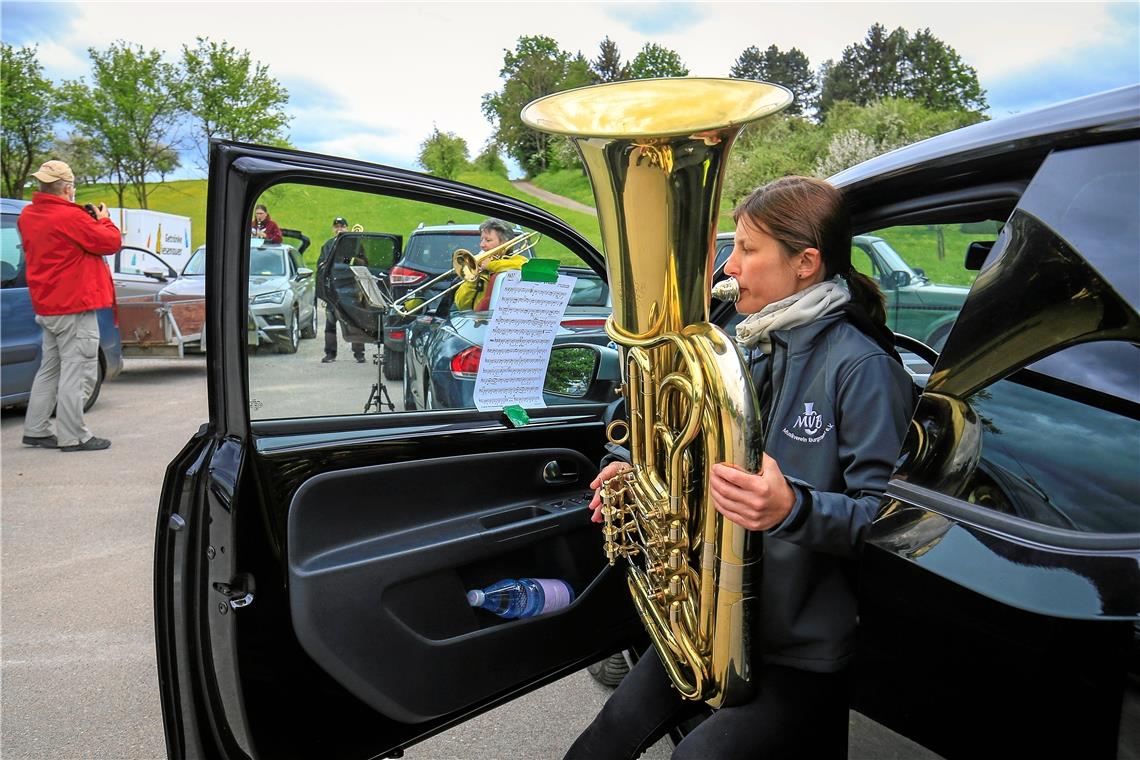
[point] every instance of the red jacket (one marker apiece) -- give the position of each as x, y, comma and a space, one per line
64, 249
272, 231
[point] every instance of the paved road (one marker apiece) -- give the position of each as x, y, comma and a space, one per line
558, 200
77, 667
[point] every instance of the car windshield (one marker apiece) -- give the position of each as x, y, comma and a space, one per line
266, 262
196, 266
891, 258
589, 290
434, 250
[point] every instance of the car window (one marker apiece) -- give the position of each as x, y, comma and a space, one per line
383, 337
266, 262
11, 252
136, 261
921, 270
1034, 407
196, 266
1057, 454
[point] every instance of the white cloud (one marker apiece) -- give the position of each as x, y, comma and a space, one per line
386, 72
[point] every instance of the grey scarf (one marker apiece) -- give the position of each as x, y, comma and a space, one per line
798, 309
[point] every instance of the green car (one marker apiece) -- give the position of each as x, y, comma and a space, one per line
915, 306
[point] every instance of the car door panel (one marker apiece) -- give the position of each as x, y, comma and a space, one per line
311, 572
361, 571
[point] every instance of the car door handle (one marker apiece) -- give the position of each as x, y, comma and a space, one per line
553, 473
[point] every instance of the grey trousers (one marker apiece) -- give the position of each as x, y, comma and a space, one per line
68, 371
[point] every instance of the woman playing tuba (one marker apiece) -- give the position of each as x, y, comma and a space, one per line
835, 401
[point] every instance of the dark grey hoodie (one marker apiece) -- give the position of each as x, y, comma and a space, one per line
839, 408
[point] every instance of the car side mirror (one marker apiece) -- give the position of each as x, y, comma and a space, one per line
581, 370
304, 273
897, 279
155, 274
977, 253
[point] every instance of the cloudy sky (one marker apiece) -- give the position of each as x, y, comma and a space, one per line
369, 80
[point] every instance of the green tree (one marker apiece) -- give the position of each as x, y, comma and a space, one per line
939, 78
29, 105
489, 160
444, 154
653, 60
608, 66
82, 155
131, 109
791, 69
894, 65
536, 67
231, 96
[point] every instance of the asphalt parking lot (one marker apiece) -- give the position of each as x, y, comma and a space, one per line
77, 666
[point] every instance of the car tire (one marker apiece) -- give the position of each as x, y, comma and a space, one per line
409, 399
610, 671
310, 329
292, 338
393, 365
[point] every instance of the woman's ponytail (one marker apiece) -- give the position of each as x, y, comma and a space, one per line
866, 294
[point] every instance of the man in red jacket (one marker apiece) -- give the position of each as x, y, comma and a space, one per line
67, 281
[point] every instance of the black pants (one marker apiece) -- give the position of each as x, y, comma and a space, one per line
794, 714
330, 336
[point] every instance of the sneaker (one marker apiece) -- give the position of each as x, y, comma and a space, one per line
43, 441
328, 358
91, 444
360, 360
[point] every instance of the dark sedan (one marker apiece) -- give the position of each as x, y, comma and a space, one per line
441, 360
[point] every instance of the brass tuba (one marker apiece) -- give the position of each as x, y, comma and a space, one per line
655, 152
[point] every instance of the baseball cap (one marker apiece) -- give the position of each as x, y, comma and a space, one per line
53, 171
340, 220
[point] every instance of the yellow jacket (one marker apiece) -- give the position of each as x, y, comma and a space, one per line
468, 294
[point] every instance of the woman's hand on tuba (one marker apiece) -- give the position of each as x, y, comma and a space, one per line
610, 470
756, 502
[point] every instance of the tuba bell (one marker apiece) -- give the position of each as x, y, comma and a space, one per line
655, 151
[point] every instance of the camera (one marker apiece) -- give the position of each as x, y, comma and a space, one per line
90, 210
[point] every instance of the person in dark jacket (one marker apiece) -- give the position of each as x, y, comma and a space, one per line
835, 402
67, 281
339, 226
263, 227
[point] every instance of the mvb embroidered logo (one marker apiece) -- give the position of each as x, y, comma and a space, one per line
810, 423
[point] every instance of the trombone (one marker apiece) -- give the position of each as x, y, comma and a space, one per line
464, 265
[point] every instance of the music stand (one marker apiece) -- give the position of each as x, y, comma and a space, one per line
375, 299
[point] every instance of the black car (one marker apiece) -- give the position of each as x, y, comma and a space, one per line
310, 571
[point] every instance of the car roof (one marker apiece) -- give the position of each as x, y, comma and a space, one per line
11, 205
1004, 150
463, 229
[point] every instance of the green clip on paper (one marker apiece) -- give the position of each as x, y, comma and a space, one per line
516, 415
540, 270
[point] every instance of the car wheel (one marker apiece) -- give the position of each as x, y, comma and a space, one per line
409, 399
292, 339
610, 671
310, 329
393, 365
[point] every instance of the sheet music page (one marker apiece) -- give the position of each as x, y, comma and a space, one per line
512, 369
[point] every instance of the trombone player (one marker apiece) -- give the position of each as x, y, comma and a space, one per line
492, 234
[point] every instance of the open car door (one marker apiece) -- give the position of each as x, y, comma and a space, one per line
378, 251
312, 562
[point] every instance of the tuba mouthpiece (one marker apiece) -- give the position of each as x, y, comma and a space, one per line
727, 289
